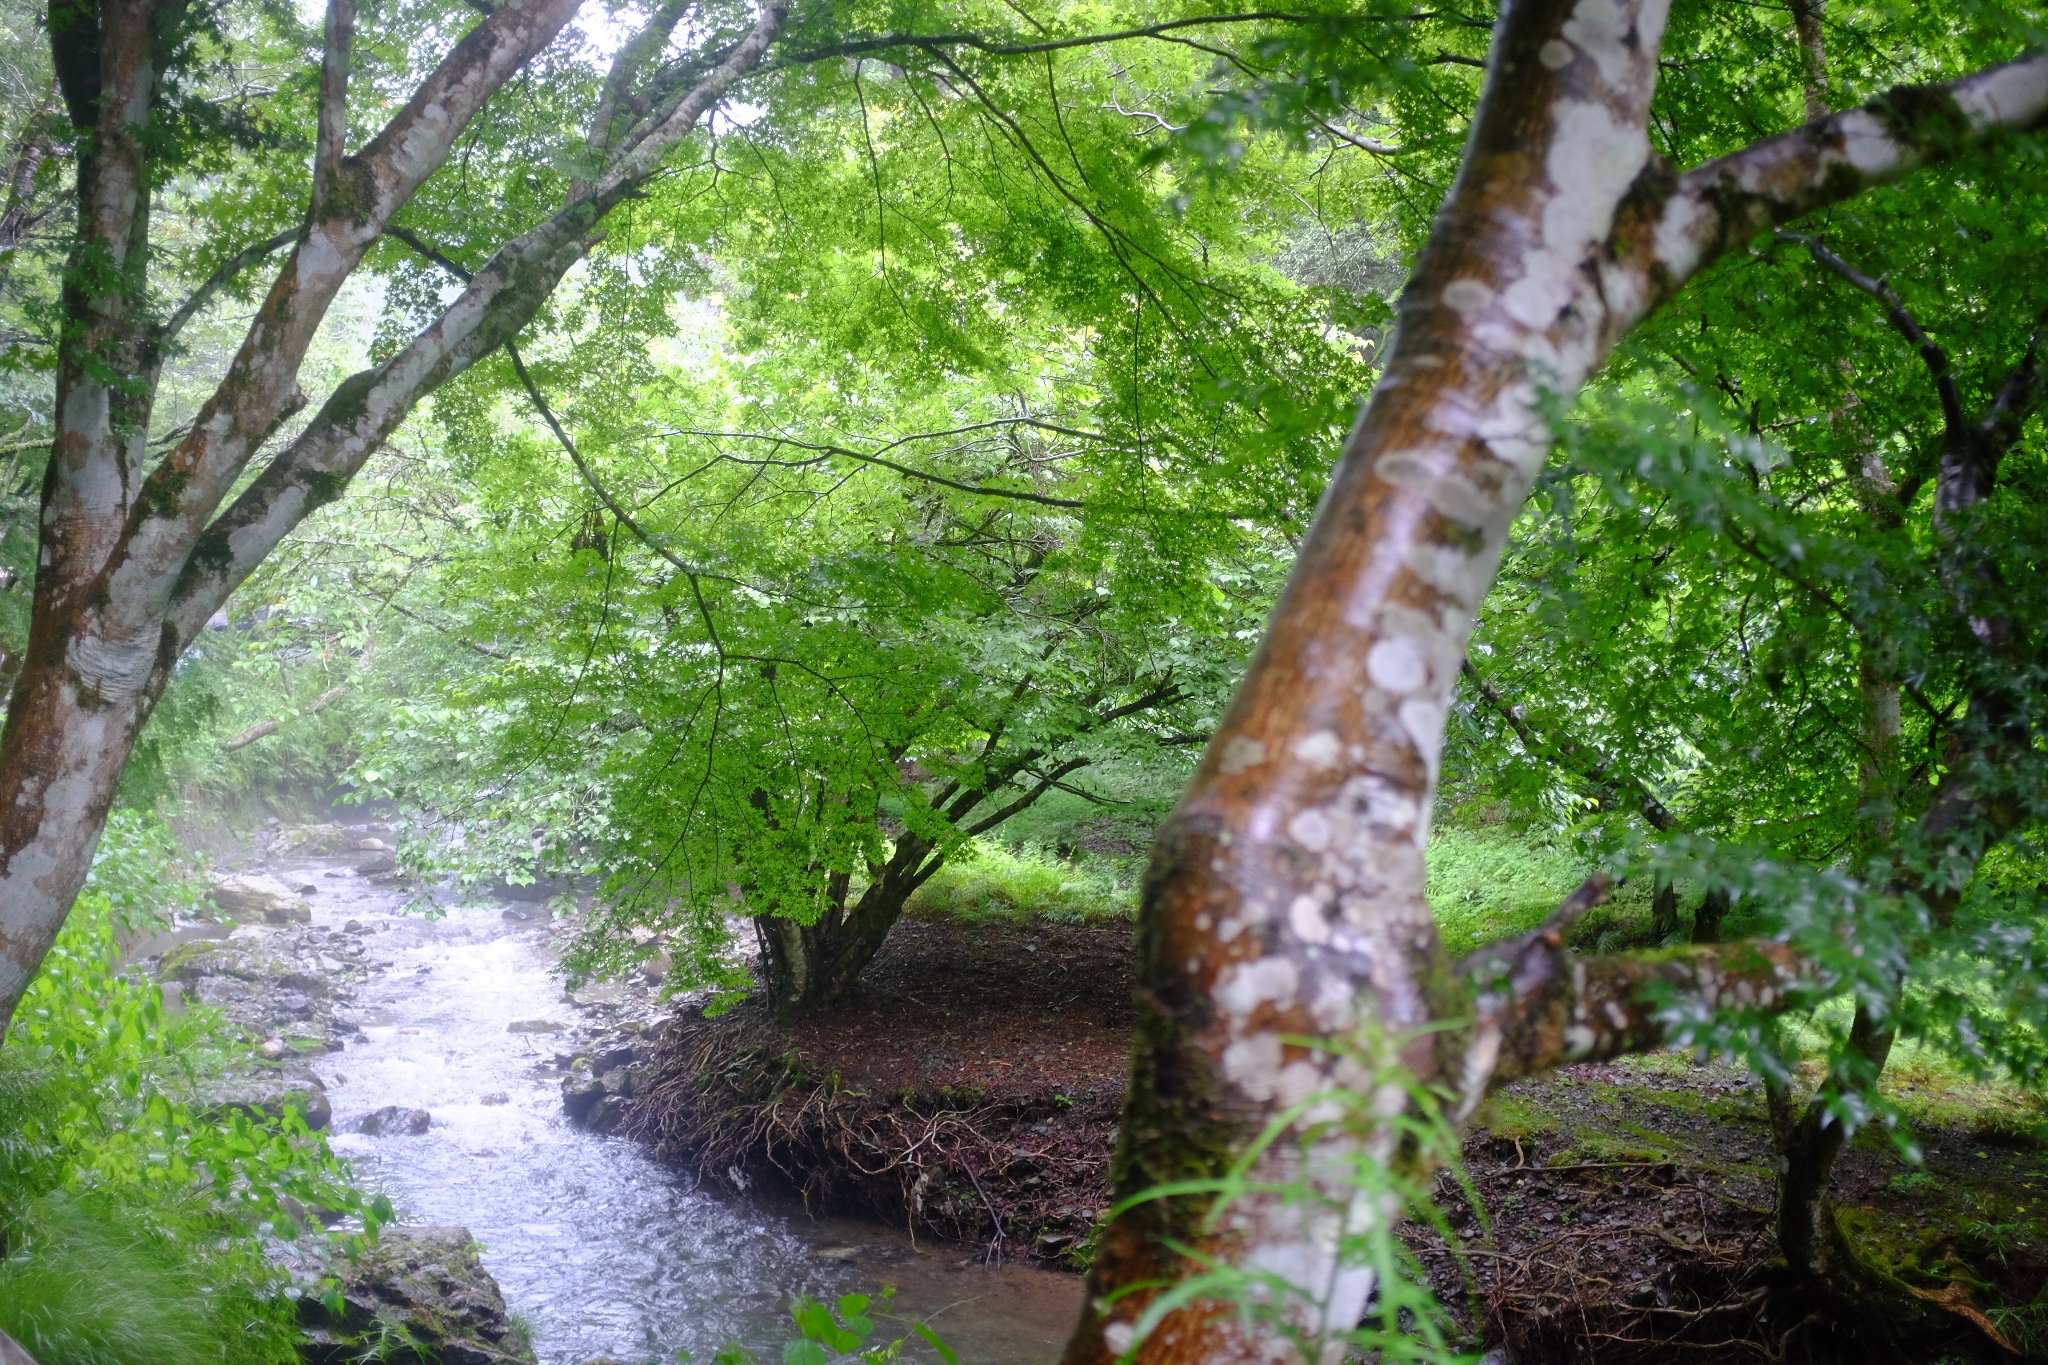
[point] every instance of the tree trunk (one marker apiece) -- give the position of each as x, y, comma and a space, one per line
1285, 897
1706, 921
1664, 912
815, 966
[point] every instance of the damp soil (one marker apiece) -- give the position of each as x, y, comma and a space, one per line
1629, 1219
969, 1094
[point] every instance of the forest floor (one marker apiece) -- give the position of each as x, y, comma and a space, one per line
971, 1092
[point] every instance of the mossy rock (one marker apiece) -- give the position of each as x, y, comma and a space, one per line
417, 1295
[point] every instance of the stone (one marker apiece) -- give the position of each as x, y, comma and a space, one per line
496, 1097
354, 926
580, 1095
273, 1048
425, 1295
535, 1026
377, 864
11, 1352
372, 846
308, 889
253, 896
395, 1120
311, 839
607, 1114
263, 1092
597, 993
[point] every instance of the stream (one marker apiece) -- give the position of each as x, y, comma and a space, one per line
602, 1252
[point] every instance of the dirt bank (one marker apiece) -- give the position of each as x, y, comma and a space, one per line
969, 1092
972, 1093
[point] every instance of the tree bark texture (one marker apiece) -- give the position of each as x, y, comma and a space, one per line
1285, 897
134, 557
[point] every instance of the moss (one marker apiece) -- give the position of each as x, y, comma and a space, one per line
1514, 1119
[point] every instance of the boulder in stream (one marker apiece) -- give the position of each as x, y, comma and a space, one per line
395, 1120
263, 1091
417, 1295
253, 896
312, 839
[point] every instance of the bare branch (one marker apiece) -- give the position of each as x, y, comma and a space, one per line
331, 139
996, 46
1569, 754
203, 295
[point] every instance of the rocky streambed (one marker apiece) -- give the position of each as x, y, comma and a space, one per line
450, 1066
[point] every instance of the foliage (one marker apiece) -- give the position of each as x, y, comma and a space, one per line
910, 520
841, 1332
132, 1227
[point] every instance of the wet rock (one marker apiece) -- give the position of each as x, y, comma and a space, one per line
535, 1026
424, 1288
395, 1120
580, 1095
372, 846
252, 896
311, 839
495, 1098
598, 993
265, 1091
607, 1114
377, 864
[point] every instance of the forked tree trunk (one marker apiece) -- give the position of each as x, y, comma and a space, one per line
815, 966
1285, 898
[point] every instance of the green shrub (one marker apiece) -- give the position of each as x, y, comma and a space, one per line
132, 1229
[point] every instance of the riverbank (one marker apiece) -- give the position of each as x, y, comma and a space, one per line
438, 1049
970, 1093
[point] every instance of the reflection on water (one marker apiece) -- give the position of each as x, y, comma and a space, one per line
600, 1249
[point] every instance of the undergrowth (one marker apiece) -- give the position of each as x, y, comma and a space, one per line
132, 1227
992, 880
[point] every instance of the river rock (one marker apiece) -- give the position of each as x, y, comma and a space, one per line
377, 864
394, 1120
264, 1091
259, 896
312, 839
580, 1095
425, 1288
535, 1026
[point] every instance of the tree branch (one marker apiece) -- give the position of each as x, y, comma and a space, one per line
996, 46
1670, 228
167, 527
1902, 321
1539, 1006
499, 300
203, 295
331, 137
1569, 754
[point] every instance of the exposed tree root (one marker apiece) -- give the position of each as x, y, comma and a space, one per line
1019, 1175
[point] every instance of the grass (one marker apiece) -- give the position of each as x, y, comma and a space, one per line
994, 881
1486, 883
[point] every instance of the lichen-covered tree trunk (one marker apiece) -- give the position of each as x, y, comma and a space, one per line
1285, 898
134, 557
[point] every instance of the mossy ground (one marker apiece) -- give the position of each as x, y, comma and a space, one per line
1629, 1207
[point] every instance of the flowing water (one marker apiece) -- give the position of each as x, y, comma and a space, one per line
602, 1251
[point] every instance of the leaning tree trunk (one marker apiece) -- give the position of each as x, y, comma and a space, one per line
1285, 897
134, 558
